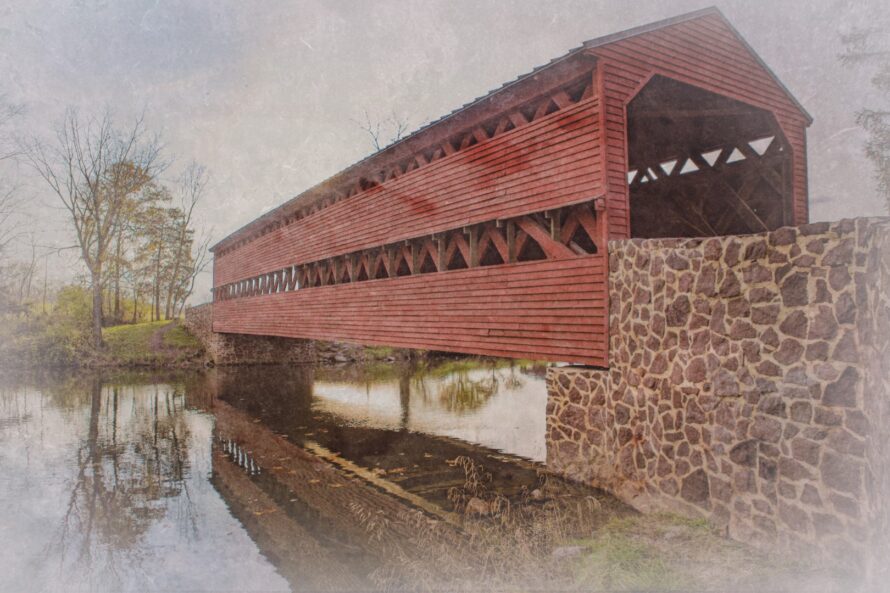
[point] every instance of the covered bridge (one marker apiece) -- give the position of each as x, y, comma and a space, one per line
486, 230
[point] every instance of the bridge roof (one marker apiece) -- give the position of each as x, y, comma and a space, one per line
557, 70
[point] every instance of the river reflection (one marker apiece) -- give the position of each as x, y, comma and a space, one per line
248, 479
105, 482
499, 407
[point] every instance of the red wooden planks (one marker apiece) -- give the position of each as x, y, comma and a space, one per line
550, 310
551, 162
703, 52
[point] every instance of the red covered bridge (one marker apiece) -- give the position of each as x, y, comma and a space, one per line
485, 231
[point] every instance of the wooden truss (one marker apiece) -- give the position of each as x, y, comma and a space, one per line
521, 116
740, 187
572, 231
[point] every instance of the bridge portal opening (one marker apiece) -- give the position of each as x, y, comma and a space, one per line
701, 164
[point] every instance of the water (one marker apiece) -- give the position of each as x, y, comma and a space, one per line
249, 479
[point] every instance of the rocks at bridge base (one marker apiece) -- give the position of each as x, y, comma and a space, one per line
244, 349
749, 383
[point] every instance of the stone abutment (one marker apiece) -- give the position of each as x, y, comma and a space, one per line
749, 383
244, 349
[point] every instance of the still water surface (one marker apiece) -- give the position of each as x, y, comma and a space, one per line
247, 479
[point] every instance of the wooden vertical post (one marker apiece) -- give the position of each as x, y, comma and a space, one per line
441, 248
391, 257
602, 226
473, 236
415, 257
511, 242
555, 223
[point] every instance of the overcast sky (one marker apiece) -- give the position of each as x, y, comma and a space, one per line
266, 94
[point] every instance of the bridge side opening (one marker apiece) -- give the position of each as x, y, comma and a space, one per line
702, 164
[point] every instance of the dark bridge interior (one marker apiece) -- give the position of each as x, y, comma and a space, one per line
701, 164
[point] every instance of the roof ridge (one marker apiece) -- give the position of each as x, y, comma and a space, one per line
586, 45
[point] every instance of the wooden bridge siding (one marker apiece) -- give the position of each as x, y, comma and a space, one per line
547, 310
703, 52
553, 161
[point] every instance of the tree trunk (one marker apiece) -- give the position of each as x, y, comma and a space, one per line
157, 288
177, 264
118, 315
96, 277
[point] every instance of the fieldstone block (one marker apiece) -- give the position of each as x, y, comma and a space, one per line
843, 391
695, 488
744, 378
841, 473
794, 290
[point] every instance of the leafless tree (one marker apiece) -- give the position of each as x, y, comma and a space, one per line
385, 131
192, 185
8, 112
93, 167
196, 267
869, 47
8, 206
8, 195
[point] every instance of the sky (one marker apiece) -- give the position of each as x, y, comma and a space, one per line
269, 94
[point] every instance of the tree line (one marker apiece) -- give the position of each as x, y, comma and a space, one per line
133, 228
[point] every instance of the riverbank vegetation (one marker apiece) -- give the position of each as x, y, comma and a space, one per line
59, 335
560, 536
131, 225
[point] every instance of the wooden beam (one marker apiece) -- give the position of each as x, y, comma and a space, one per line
553, 249
441, 246
511, 242
473, 236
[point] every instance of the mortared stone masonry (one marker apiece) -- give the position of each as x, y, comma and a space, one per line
749, 383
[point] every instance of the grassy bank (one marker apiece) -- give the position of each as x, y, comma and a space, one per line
565, 537
157, 343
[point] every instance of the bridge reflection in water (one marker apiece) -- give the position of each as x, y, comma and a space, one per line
235, 478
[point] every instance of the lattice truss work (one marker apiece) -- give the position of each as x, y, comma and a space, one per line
701, 164
719, 192
556, 234
516, 118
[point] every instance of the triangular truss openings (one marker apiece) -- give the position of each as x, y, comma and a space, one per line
712, 156
760, 149
563, 233
561, 98
736, 156
761, 145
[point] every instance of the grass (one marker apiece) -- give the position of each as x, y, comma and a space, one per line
379, 352
149, 344
664, 552
179, 337
575, 539
652, 553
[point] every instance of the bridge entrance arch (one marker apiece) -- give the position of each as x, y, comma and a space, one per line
702, 164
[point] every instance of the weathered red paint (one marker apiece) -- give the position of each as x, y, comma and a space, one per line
470, 168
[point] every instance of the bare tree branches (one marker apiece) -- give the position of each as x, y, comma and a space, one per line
8, 207
385, 131
870, 47
8, 112
192, 184
93, 168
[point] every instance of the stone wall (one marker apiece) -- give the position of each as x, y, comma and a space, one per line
244, 349
748, 383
